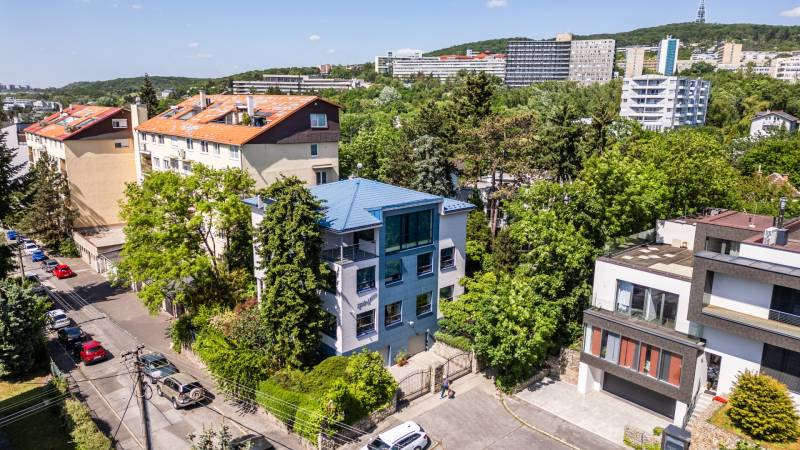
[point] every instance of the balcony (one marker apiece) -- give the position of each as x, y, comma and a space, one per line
784, 317
346, 254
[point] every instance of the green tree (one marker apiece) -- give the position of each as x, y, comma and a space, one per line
371, 147
435, 171
561, 153
510, 324
21, 328
779, 152
11, 181
215, 439
368, 381
479, 241
761, 407
473, 96
289, 244
49, 214
147, 95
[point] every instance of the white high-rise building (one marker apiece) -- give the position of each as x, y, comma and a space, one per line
668, 56
448, 66
660, 102
592, 61
786, 69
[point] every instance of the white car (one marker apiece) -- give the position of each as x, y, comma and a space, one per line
57, 319
29, 248
409, 436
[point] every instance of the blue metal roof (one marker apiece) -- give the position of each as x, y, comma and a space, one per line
355, 203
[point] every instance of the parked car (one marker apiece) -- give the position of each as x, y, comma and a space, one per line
92, 352
156, 366
62, 271
29, 248
181, 390
408, 435
11, 235
57, 319
251, 442
37, 256
72, 338
49, 265
36, 285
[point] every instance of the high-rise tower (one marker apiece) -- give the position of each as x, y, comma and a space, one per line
701, 12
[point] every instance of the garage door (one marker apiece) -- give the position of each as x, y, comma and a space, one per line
634, 393
416, 344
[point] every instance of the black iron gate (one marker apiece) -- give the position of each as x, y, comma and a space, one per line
413, 385
458, 365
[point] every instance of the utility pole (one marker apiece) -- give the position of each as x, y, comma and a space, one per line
148, 445
19, 256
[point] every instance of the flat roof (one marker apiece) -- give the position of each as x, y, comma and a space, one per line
103, 237
672, 261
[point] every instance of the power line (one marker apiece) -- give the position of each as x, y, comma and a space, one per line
19, 415
133, 391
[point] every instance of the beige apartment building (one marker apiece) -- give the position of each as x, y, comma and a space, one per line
267, 135
92, 146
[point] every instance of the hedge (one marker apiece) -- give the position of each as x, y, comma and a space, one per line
291, 407
232, 367
459, 342
84, 432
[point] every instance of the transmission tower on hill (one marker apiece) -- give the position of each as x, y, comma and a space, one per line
701, 12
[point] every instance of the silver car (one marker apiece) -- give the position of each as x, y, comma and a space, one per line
181, 390
407, 436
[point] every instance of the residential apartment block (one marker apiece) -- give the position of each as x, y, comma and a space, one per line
295, 84
668, 56
660, 102
786, 69
385, 64
635, 60
395, 255
710, 297
448, 66
562, 58
286, 135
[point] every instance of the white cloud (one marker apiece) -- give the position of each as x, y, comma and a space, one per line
193, 45
497, 3
794, 12
136, 6
203, 55
314, 37
331, 50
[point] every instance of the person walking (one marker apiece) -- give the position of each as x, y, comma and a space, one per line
445, 387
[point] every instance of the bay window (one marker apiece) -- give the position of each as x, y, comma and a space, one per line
404, 231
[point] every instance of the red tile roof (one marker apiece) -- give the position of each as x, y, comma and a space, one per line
71, 121
201, 125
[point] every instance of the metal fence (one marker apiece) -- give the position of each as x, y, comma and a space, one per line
414, 385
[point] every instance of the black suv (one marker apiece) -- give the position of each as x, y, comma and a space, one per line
72, 338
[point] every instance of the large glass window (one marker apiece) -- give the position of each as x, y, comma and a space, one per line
424, 263
411, 230
783, 365
786, 300
365, 322
392, 314
670, 370
394, 271
609, 347
365, 278
648, 304
724, 246
446, 293
423, 303
447, 258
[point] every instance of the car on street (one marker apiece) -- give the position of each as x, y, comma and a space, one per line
37, 256
251, 442
11, 235
156, 366
57, 319
72, 339
181, 390
92, 352
408, 435
62, 271
49, 265
36, 284
29, 248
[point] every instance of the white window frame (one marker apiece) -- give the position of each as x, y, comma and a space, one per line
315, 120
366, 331
121, 143
321, 177
203, 146
215, 149
160, 138
156, 163
119, 123
233, 152
189, 144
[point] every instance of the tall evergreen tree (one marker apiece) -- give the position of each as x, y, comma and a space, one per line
147, 95
11, 183
435, 172
290, 248
473, 96
21, 326
50, 214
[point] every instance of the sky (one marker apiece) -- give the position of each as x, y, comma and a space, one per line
55, 42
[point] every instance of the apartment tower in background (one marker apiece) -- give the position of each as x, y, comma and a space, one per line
661, 103
668, 56
634, 61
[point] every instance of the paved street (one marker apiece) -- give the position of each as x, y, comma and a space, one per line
118, 319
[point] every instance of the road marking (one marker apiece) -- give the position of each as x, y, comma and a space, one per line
538, 430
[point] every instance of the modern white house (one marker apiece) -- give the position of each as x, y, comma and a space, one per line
765, 121
395, 254
661, 102
683, 315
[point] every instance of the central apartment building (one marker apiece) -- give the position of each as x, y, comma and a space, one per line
395, 254
661, 103
710, 297
448, 66
266, 135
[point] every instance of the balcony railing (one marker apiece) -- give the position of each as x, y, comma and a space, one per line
784, 317
346, 254
791, 381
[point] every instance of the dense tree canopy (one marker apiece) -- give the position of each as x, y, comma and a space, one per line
21, 327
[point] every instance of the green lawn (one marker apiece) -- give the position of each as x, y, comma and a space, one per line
44, 430
721, 420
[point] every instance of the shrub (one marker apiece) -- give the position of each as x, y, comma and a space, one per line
231, 366
369, 382
84, 432
761, 407
180, 332
459, 342
68, 248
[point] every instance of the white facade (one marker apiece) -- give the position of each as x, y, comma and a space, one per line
592, 61
787, 69
296, 84
444, 67
764, 122
661, 102
384, 64
668, 56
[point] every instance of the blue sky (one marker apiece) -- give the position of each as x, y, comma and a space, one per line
54, 42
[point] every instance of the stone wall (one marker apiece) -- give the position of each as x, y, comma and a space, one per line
636, 436
563, 367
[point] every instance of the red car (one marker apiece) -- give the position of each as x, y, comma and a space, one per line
63, 271
93, 351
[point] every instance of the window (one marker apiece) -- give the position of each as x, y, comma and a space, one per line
447, 258
365, 279
670, 370
648, 360
446, 293
329, 324
405, 231
119, 123
364, 235
783, 365
424, 263
121, 143
314, 151
203, 147
648, 304
187, 166
322, 177
423, 304
173, 141
609, 347
189, 144
723, 246
394, 271
319, 121
152, 138
233, 151
142, 136
174, 164
392, 314
215, 148
160, 138
156, 162
629, 353
785, 304
365, 322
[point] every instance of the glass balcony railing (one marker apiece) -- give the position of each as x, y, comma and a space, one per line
346, 254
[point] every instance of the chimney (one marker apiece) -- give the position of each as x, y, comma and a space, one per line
251, 107
202, 99
776, 236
